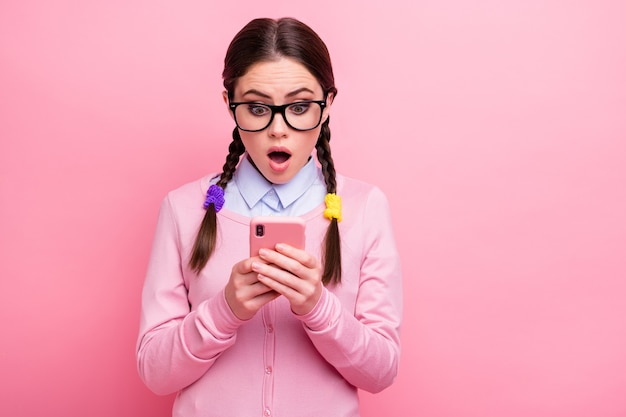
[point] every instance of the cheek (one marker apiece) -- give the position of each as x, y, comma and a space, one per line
306, 143
315, 135
248, 140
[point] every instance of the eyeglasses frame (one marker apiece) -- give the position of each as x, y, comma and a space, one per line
278, 109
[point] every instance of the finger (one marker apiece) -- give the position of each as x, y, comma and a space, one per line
247, 287
303, 257
301, 300
246, 300
282, 262
282, 281
284, 287
265, 297
243, 271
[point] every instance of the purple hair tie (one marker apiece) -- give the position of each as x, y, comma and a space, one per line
215, 195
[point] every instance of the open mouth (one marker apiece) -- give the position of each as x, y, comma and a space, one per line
279, 157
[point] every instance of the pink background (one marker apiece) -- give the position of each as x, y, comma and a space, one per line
496, 128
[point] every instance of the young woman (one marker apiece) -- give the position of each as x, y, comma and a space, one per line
290, 332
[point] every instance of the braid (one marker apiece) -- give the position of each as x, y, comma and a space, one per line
204, 245
332, 253
235, 150
325, 159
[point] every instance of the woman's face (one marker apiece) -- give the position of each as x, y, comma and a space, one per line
279, 151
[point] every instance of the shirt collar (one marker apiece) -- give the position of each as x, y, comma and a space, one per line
253, 186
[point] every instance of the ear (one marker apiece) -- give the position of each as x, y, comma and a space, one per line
329, 99
329, 103
227, 101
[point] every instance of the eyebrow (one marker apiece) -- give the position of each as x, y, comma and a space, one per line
291, 94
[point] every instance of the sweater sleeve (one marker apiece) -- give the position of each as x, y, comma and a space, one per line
364, 345
176, 346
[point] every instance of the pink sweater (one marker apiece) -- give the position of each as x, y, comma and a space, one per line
275, 364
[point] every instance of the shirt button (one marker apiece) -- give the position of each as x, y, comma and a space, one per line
270, 329
267, 412
268, 370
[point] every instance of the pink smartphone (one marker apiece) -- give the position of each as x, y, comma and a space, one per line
267, 231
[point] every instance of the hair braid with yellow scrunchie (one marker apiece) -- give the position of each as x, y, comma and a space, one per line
332, 243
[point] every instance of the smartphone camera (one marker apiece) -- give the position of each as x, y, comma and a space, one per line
260, 230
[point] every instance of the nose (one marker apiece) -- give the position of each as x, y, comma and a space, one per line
278, 127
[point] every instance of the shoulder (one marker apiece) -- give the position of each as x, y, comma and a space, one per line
366, 215
362, 203
357, 191
183, 207
191, 193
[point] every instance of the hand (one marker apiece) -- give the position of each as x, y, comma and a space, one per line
244, 293
292, 273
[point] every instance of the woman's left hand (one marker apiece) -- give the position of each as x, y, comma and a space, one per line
292, 273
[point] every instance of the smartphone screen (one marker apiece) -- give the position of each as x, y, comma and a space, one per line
267, 231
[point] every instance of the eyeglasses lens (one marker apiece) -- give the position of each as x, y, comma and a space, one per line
300, 116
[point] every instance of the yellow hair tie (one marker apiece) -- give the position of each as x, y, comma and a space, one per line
333, 207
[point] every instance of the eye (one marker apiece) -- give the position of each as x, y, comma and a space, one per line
299, 108
258, 109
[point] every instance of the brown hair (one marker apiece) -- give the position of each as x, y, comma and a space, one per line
267, 40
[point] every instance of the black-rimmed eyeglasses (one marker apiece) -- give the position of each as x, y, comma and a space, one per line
301, 115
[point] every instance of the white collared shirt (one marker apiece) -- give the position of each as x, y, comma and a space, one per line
250, 194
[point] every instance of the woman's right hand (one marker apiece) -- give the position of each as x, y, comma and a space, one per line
244, 293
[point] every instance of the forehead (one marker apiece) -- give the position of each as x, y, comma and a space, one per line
277, 78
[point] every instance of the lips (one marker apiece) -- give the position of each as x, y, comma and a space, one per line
279, 159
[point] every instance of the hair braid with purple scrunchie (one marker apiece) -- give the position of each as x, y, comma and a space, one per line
215, 195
